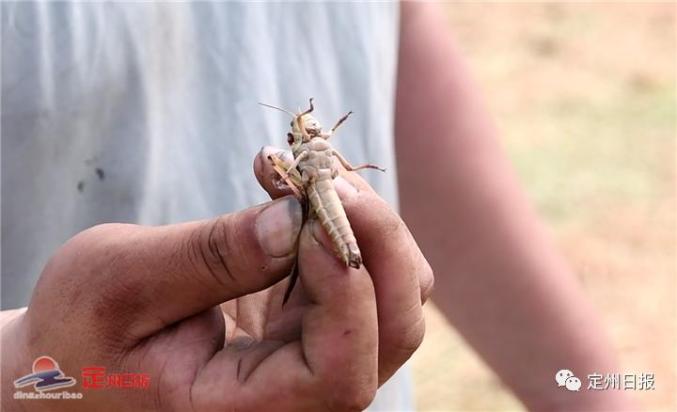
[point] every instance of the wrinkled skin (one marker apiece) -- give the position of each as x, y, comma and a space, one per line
151, 300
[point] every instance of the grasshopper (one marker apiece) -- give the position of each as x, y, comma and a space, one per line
310, 177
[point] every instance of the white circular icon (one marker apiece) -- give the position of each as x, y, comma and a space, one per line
562, 376
573, 384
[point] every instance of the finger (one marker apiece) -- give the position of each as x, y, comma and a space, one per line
269, 180
340, 333
402, 277
334, 365
149, 277
346, 184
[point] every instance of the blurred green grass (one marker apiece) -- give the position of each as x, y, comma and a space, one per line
592, 156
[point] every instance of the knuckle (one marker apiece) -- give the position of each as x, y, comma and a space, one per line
399, 340
97, 252
107, 236
91, 271
210, 249
388, 222
412, 337
354, 398
391, 223
427, 281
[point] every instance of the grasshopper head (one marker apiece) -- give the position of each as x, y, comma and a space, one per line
304, 127
312, 126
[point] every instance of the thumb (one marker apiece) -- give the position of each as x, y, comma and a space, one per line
150, 277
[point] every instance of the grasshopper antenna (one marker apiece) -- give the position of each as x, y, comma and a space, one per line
278, 108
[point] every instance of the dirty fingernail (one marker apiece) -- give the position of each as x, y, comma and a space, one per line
344, 189
272, 150
278, 226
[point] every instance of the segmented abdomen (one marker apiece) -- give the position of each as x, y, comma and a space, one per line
329, 210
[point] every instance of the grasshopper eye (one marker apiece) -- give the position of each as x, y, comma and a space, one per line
290, 138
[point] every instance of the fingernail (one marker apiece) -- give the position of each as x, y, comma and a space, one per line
344, 189
278, 226
267, 151
271, 150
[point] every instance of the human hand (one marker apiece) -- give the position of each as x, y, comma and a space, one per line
401, 276
139, 299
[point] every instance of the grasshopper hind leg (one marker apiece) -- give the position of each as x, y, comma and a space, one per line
354, 257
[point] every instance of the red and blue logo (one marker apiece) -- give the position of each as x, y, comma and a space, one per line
46, 376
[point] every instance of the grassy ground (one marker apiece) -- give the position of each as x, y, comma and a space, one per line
584, 95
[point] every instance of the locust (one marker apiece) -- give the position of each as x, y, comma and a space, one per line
310, 176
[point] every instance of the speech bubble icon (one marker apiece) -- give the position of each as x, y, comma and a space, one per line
573, 384
562, 376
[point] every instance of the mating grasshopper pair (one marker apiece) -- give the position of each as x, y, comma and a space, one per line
310, 176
